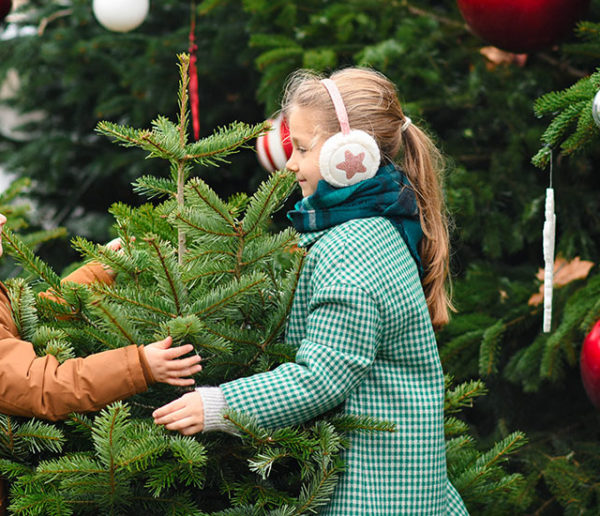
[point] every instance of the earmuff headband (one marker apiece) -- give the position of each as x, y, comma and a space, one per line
351, 155
338, 104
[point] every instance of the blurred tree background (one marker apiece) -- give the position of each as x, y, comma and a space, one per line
479, 105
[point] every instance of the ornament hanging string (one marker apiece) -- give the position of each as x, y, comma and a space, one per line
193, 71
549, 234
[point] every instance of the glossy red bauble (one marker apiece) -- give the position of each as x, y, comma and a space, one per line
522, 26
590, 364
5, 7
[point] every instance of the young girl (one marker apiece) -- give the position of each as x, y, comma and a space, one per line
41, 387
371, 292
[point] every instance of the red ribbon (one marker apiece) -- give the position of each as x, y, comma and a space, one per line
194, 99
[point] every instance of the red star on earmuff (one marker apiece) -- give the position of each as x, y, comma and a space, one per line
353, 164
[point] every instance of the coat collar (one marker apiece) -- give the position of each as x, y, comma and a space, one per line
309, 238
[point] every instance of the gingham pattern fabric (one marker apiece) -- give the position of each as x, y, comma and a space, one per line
365, 340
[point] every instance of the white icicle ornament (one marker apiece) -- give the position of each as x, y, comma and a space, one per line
596, 109
549, 235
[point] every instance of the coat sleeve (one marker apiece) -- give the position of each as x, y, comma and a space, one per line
41, 387
91, 273
342, 338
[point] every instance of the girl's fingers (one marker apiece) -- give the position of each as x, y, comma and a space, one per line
181, 423
192, 430
168, 408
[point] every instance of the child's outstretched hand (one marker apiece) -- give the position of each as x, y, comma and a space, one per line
186, 414
165, 368
116, 244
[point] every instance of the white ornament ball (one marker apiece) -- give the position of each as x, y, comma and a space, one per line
596, 109
274, 148
121, 15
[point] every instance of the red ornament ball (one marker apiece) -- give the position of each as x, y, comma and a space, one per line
589, 364
5, 7
274, 148
522, 26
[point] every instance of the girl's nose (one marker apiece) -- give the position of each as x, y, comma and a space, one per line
3, 219
291, 164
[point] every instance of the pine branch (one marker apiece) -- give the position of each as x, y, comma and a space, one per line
223, 142
458, 345
165, 273
13, 190
501, 450
22, 303
134, 299
198, 222
228, 298
117, 261
280, 315
39, 436
454, 427
29, 261
200, 196
462, 395
126, 136
568, 106
269, 196
36, 238
155, 187
115, 322
488, 351
18, 441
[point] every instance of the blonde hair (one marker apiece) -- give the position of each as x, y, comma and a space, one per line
373, 106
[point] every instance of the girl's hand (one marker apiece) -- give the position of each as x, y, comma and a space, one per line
186, 414
161, 358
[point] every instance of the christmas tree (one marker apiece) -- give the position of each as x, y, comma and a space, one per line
479, 103
209, 272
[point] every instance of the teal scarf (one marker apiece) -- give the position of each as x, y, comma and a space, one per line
388, 194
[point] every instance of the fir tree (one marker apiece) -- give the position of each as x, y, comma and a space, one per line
210, 272
18, 213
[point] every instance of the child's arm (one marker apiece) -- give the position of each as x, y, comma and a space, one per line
41, 387
343, 334
197, 411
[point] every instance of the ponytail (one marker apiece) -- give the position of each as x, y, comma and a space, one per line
423, 164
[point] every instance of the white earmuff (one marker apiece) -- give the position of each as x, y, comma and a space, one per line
349, 156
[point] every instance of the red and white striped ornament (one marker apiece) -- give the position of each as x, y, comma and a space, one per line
274, 148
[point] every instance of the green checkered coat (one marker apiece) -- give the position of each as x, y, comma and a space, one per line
365, 340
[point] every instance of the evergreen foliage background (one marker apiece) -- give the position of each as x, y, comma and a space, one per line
226, 285
489, 119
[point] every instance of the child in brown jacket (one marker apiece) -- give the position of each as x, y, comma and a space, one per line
44, 388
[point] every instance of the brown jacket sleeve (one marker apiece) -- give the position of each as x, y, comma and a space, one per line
90, 273
41, 387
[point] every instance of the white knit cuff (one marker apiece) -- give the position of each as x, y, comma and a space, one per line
215, 403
